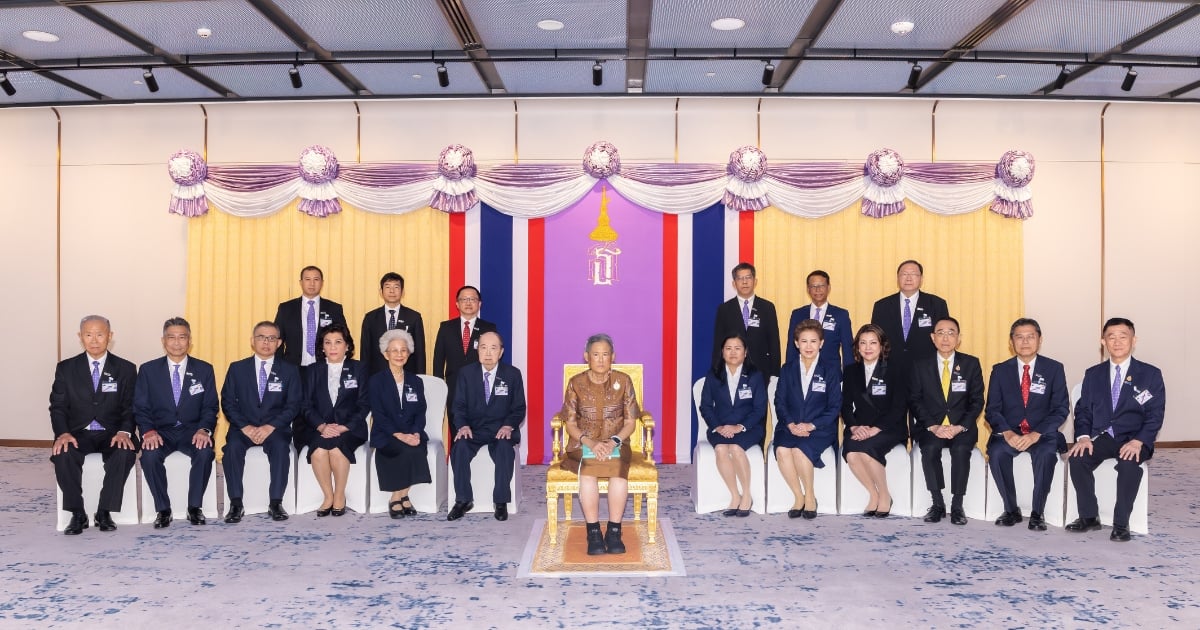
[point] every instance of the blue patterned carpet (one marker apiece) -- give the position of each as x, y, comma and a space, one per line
369, 571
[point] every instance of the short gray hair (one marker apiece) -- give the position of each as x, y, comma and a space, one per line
598, 337
388, 337
177, 321
95, 318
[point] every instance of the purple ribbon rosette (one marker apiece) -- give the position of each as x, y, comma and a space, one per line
883, 176
745, 189
454, 189
318, 168
188, 170
601, 160
1014, 172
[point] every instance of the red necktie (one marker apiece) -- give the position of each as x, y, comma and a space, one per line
466, 336
1025, 397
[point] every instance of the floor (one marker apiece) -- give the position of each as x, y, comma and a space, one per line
363, 571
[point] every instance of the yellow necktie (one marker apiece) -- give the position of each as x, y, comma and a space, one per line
946, 386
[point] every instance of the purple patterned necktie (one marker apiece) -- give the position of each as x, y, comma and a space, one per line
746, 313
907, 319
95, 375
487, 387
262, 380
310, 335
1116, 388
817, 316
176, 384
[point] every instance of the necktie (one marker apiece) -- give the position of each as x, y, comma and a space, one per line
945, 384
95, 375
1116, 388
746, 313
176, 385
466, 336
391, 319
907, 318
487, 387
262, 379
1025, 382
310, 336
817, 315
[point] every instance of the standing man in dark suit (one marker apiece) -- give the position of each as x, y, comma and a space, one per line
752, 317
908, 317
489, 406
457, 342
91, 411
175, 406
261, 398
947, 393
392, 316
835, 321
1027, 402
1119, 414
299, 319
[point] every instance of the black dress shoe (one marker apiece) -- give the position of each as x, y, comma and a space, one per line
326, 510
870, 513
730, 512
396, 509
935, 514
79, 522
1036, 522
746, 512
808, 514
408, 508
196, 516
795, 513
338, 511
1084, 525
887, 512
276, 511
595, 540
612, 538
235, 513
501, 512
163, 519
1008, 519
459, 509
104, 521
1120, 533
958, 517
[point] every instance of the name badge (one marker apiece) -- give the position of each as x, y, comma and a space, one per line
500, 390
274, 387
829, 324
958, 386
325, 321
818, 386
925, 321
1037, 388
350, 384
879, 390
1143, 397
108, 388
753, 322
410, 396
745, 393
475, 344
195, 389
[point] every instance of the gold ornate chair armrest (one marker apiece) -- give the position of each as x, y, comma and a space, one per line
556, 426
647, 422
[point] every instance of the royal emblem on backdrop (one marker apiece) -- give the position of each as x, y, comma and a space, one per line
602, 257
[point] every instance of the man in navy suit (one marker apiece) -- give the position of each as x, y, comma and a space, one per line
175, 406
91, 411
1027, 402
299, 319
392, 316
457, 342
752, 317
835, 321
947, 393
1119, 414
261, 398
908, 317
489, 406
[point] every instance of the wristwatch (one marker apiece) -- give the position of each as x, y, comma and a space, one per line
741, 428
616, 440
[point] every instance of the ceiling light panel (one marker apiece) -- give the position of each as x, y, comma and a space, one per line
848, 77
34, 88
236, 26
938, 24
1078, 26
689, 77
1151, 82
504, 24
78, 36
560, 77
373, 24
119, 83
688, 23
272, 81
392, 79
981, 78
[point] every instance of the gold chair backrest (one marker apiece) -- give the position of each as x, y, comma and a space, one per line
635, 373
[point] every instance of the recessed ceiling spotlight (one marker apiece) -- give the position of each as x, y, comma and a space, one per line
550, 25
416, 76
1001, 76
204, 32
40, 36
710, 74
728, 23
902, 28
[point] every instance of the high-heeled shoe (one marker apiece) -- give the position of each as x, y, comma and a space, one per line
885, 513
730, 512
746, 512
810, 514
325, 511
337, 511
795, 513
870, 513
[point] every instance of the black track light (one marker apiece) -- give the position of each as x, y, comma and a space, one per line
1130, 77
768, 73
597, 74
914, 75
7, 85
1063, 75
151, 82
294, 76
443, 75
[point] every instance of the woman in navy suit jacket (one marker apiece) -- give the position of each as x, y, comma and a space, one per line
335, 409
807, 401
734, 405
874, 410
398, 434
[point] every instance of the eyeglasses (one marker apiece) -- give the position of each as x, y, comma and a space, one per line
744, 278
1025, 338
270, 338
910, 274
818, 286
468, 300
946, 333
